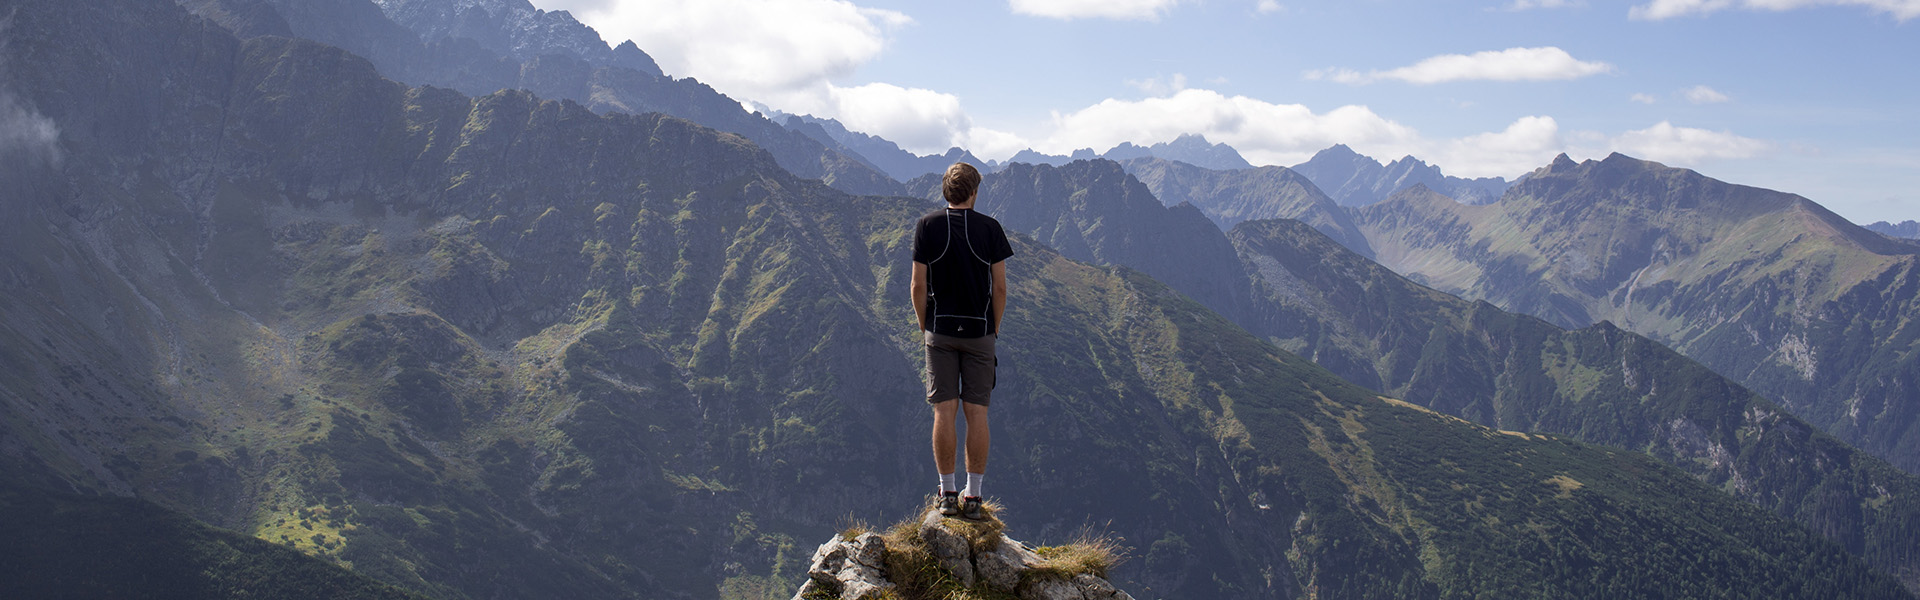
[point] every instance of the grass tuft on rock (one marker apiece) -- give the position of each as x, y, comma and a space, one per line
1091, 553
853, 527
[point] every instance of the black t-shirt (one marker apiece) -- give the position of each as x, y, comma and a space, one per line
959, 247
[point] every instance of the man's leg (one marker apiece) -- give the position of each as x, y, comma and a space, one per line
945, 440
943, 391
978, 439
977, 375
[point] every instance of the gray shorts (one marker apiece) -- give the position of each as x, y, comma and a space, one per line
960, 368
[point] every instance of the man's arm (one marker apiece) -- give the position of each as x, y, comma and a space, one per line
919, 290
999, 293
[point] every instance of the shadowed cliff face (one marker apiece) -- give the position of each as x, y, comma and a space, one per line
1766, 288
501, 346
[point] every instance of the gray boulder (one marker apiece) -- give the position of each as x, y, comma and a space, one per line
853, 569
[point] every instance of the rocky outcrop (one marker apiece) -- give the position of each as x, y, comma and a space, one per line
848, 568
960, 554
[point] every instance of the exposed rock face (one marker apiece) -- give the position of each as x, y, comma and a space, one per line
1353, 179
976, 557
853, 568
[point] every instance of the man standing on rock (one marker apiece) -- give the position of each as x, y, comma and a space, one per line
959, 292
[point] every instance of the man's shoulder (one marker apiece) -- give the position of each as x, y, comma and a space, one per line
931, 216
989, 220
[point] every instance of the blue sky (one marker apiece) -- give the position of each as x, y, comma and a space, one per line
1814, 97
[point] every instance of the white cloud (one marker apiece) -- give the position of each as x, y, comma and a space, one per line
1264, 132
1685, 145
990, 143
1666, 9
1523, 146
1701, 94
786, 54
1267, 7
1513, 64
918, 119
1286, 134
1138, 10
1518, 5
749, 49
1643, 98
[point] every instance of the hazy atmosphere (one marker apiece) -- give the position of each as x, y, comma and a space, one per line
1812, 97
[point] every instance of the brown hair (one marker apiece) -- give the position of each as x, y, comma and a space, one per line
960, 184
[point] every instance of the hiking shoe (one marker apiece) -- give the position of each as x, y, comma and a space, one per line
949, 504
973, 508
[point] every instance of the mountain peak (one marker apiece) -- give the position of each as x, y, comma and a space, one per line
629, 55
1338, 151
1560, 164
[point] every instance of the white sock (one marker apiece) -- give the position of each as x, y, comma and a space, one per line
948, 483
973, 484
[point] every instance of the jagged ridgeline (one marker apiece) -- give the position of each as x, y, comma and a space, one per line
483, 46
1769, 288
501, 347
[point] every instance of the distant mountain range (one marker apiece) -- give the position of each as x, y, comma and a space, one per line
888, 156
1230, 197
1770, 289
482, 46
1352, 179
1193, 149
1903, 229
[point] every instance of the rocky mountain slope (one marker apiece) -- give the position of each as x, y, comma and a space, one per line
1353, 179
482, 47
1770, 289
1475, 361
1904, 229
1230, 197
1599, 384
